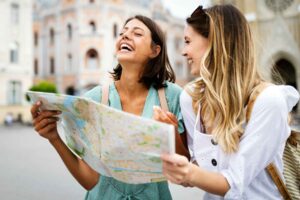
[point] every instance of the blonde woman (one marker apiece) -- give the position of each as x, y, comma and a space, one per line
228, 154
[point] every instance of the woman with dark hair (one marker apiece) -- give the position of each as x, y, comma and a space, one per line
143, 69
230, 149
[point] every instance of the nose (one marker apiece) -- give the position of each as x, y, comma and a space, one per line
125, 35
183, 52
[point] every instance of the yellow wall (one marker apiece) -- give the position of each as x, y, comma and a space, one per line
16, 110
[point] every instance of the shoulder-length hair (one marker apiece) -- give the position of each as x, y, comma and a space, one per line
228, 72
158, 69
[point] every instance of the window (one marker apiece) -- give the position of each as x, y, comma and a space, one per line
36, 67
14, 92
36, 39
52, 35
93, 27
15, 13
92, 59
52, 66
115, 30
14, 53
69, 27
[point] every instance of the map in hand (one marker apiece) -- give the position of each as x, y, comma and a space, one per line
114, 143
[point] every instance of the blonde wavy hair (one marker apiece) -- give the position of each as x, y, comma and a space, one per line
228, 72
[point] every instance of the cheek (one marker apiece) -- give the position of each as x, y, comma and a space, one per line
117, 43
200, 51
144, 49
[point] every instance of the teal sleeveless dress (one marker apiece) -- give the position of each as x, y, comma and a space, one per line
109, 188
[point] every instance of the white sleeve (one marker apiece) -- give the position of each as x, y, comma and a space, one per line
265, 133
189, 118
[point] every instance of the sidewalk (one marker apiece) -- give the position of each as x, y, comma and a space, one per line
32, 170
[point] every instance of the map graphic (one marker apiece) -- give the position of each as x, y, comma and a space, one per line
114, 143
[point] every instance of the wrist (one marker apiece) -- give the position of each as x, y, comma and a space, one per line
55, 141
191, 174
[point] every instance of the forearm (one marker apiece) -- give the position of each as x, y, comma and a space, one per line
82, 172
212, 182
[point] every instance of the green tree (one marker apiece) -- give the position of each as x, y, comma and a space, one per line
43, 86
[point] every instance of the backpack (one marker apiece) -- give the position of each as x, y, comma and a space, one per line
291, 157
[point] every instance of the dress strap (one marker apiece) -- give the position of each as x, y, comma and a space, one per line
105, 91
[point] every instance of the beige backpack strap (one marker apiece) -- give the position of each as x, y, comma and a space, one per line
271, 168
273, 172
105, 91
163, 99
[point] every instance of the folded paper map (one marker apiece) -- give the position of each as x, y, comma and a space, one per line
114, 143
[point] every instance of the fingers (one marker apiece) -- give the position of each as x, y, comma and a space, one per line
175, 159
175, 168
45, 114
175, 176
172, 179
172, 117
157, 111
35, 109
162, 116
44, 131
45, 122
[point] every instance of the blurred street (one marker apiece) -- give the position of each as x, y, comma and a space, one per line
32, 170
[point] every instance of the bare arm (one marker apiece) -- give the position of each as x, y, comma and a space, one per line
45, 123
179, 170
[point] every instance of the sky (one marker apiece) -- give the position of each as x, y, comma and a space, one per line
183, 8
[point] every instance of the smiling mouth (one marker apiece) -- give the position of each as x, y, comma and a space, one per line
190, 61
126, 48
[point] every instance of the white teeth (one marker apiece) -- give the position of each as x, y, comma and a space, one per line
190, 61
126, 47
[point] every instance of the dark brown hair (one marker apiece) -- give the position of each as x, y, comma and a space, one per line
199, 20
158, 69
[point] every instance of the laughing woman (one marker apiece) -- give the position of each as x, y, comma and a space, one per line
143, 69
229, 153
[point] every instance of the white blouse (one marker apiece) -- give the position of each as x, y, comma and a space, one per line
262, 143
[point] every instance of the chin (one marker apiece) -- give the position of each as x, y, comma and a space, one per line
124, 58
195, 72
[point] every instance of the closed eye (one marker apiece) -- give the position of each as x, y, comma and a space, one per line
138, 34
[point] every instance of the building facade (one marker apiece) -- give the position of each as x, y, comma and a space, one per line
15, 58
276, 28
74, 40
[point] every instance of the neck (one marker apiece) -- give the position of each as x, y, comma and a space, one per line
129, 82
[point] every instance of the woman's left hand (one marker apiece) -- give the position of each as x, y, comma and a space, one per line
177, 169
164, 116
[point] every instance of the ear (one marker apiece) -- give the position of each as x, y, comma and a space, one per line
155, 51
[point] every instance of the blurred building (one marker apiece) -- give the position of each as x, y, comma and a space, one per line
276, 27
15, 57
74, 40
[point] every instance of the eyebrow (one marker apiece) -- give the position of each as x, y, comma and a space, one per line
186, 38
134, 28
